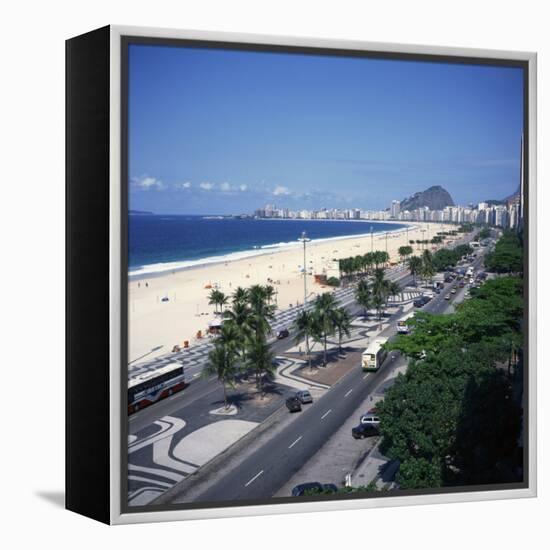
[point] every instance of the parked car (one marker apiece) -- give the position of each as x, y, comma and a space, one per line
453, 290
303, 488
364, 430
293, 404
448, 297
282, 334
304, 396
370, 417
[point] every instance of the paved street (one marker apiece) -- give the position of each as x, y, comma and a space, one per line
263, 473
170, 440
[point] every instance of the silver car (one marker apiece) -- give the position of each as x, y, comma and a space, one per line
304, 396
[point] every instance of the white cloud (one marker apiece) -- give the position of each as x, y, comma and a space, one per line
183, 185
147, 182
281, 190
225, 186
243, 187
207, 186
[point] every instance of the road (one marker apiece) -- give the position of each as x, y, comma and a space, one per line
159, 454
268, 469
190, 410
261, 474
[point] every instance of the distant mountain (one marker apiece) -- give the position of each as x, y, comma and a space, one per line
140, 213
514, 197
435, 198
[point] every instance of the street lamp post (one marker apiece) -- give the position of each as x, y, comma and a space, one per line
304, 239
371, 241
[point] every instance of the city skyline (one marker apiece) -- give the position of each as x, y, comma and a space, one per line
221, 132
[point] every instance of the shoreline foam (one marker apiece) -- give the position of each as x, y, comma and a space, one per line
153, 270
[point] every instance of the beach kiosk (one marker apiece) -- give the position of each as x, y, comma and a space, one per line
215, 326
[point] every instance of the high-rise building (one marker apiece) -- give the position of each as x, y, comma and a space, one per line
395, 209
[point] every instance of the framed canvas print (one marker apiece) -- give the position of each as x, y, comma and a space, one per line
300, 274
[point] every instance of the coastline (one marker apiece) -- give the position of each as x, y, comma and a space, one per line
156, 270
169, 308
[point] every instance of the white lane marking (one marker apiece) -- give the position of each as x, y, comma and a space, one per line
346, 394
292, 445
196, 374
254, 478
326, 414
365, 376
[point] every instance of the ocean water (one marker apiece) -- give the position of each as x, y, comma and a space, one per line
165, 243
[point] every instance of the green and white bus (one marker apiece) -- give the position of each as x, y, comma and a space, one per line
374, 355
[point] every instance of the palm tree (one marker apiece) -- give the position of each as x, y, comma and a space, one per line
323, 326
377, 259
223, 359
303, 325
240, 315
363, 295
260, 359
385, 257
428, 269
368, 257
393, 289
342, 324
269, 293
415, 266
240, 295
222, 300
217, 298
262, 312
380, 291
213, 298
404, 251
378, 301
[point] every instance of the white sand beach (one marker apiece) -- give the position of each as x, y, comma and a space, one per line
158, 325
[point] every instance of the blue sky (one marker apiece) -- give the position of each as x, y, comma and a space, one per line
220, 132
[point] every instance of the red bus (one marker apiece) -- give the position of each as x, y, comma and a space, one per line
149, 387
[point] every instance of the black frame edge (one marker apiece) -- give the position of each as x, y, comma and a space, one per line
87, 452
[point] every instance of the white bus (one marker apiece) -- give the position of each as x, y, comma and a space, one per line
402, 326
374, 355
149, 387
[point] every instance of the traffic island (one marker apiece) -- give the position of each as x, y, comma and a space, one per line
338, 365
